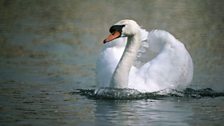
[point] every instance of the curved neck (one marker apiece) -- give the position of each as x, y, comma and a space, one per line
121, 73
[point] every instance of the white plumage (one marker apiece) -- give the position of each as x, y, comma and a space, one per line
145, 61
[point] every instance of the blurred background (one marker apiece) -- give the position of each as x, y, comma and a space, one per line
65, 37
50, 46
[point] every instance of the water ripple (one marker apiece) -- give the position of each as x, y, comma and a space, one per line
132, 94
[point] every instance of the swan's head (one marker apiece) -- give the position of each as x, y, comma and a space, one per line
123, 28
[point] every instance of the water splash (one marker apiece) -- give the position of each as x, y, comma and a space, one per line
132, 94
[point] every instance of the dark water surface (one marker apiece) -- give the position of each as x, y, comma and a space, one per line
48, 50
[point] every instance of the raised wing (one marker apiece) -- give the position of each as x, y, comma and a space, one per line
145, 54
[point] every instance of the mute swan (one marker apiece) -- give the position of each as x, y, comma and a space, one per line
123, 62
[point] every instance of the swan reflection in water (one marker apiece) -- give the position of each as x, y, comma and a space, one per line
142, 112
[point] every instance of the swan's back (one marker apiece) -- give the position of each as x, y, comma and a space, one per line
172, 67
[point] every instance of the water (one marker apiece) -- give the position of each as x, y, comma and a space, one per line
48, 50
132, 94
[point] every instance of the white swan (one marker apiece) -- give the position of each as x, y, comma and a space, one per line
123, 62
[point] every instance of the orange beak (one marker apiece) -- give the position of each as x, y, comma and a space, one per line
112, 36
